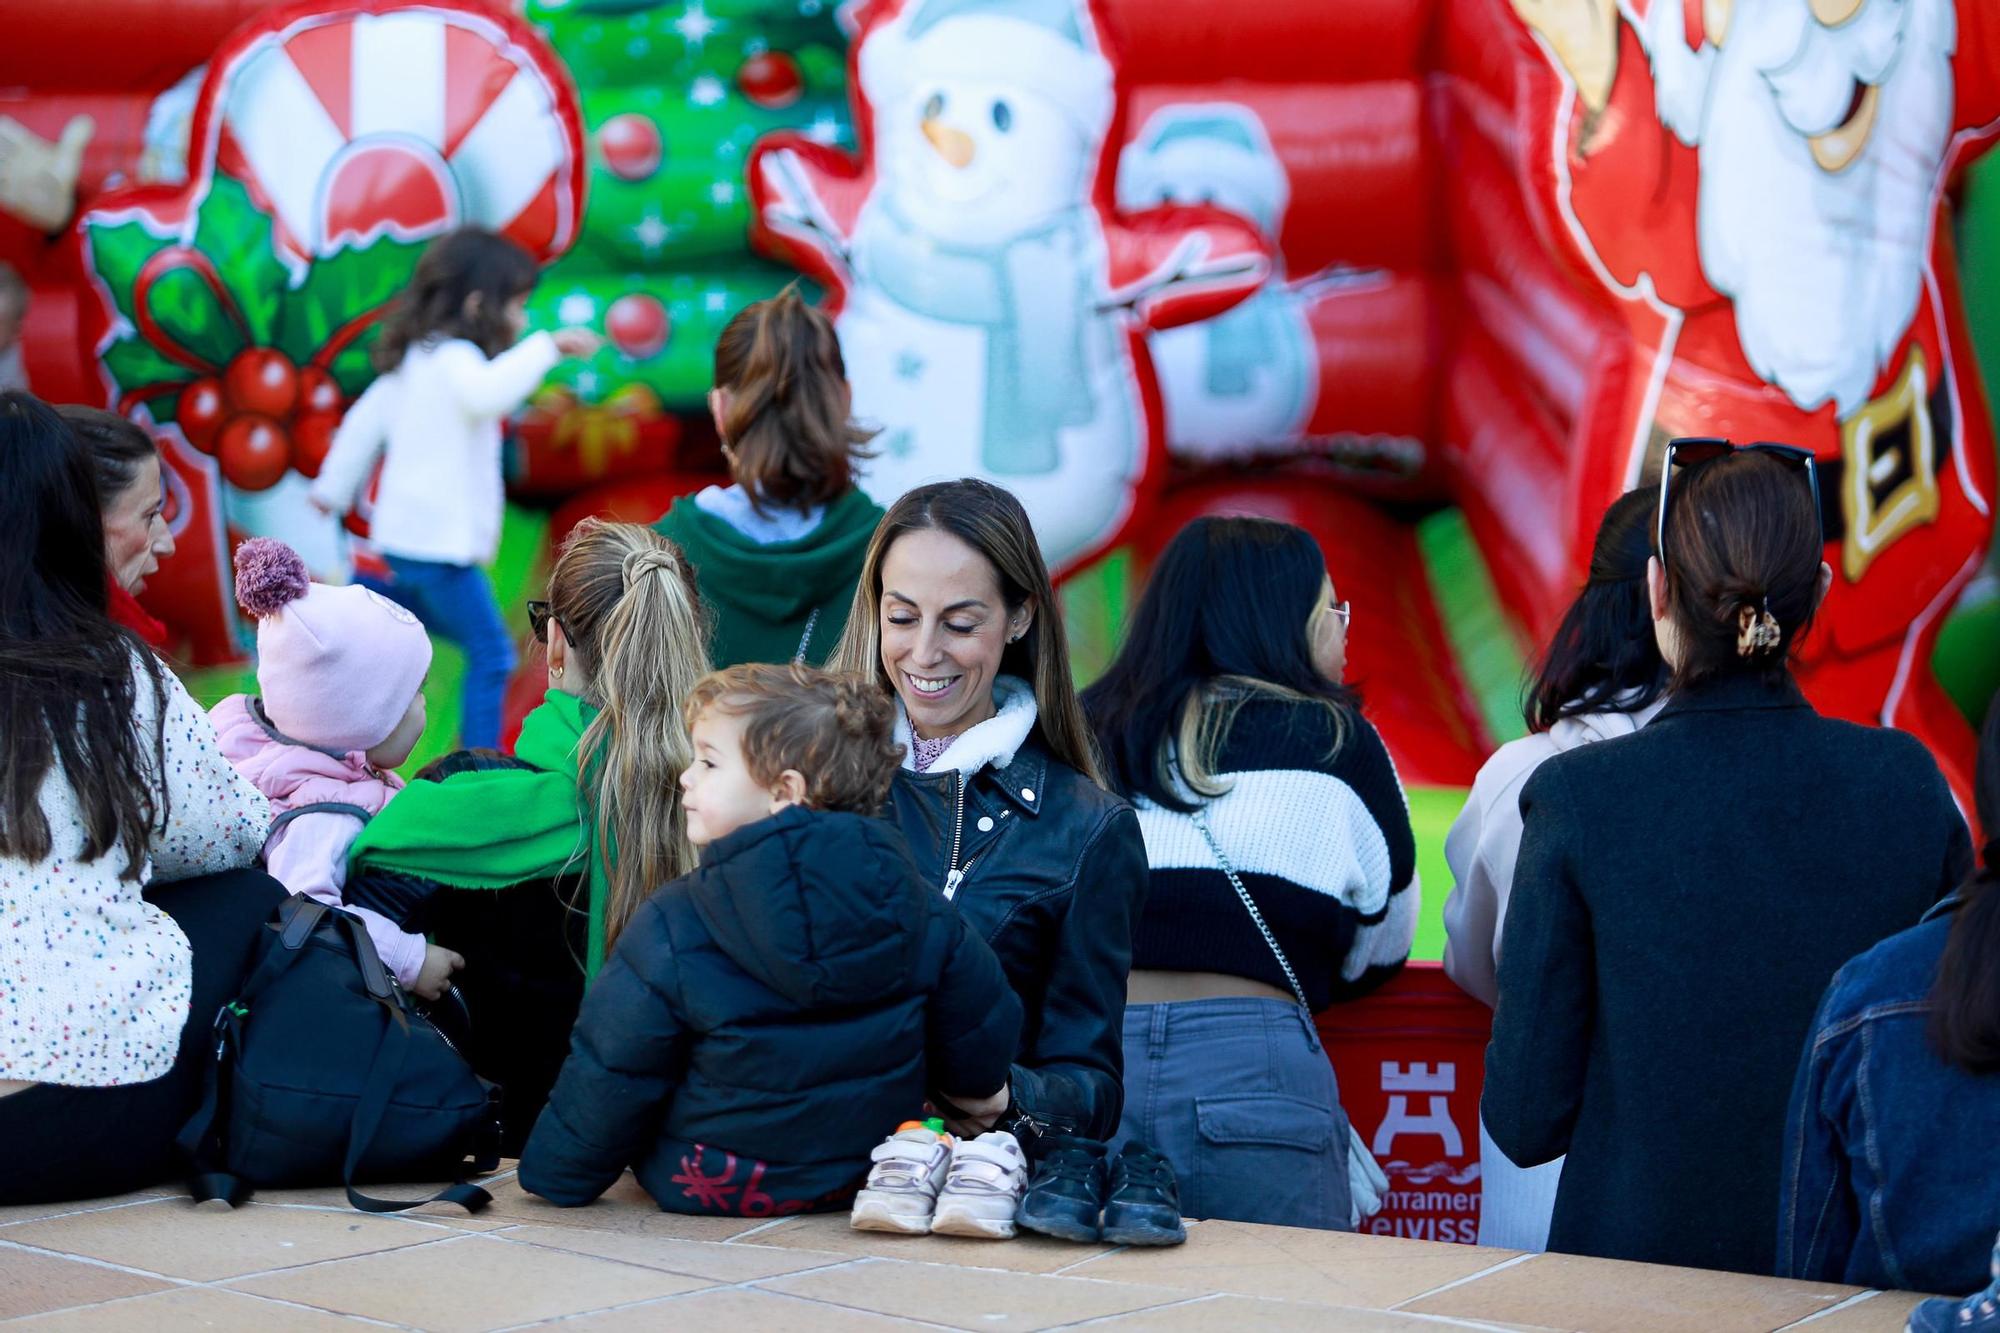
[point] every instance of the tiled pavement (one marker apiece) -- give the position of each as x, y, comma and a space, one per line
301, 1260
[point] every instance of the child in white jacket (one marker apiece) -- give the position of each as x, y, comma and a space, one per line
454, 366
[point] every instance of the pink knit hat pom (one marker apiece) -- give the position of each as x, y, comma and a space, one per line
269, 576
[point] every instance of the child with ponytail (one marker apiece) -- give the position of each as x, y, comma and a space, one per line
766, 1016
777, 551
454, 365
589, 807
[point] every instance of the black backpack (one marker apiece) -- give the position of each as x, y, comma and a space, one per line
325, 1071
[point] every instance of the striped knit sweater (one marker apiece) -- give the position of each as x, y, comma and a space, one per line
1322, 844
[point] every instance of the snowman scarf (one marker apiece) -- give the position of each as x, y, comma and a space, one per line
1030, 295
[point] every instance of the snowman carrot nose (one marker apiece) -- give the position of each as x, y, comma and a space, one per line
954, 146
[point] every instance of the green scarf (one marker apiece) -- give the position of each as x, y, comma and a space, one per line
489, 830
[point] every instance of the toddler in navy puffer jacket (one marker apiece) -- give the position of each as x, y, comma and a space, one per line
762, 1018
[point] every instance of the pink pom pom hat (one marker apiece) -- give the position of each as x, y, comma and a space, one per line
337, 667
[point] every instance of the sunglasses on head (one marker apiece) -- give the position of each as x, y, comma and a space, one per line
539, 616
1692, 452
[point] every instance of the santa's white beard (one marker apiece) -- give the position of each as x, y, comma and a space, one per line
1825, 270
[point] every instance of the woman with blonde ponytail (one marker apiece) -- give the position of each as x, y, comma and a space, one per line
777, 551
530, 866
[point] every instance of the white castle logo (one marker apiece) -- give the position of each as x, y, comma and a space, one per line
1435, 1120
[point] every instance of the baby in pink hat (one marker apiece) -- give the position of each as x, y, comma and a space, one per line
340, 675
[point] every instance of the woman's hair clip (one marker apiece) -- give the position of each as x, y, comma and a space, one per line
1757, 632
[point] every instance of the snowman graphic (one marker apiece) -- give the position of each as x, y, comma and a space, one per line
992, 305
1245, 381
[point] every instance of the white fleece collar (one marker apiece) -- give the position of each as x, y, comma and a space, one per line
993, 742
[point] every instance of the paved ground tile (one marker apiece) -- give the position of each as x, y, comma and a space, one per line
625, 1208
32, 1283
179, 1239
740, 1261
198, 1307
1573, 1292
737, 1309
469, 1283
1879, 1312
969, 1298
1026, 1253
1331, 1267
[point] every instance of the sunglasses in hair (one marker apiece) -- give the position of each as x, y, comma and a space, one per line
539, 616
1692, 452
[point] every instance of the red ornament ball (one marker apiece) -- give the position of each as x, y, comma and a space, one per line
771, 79
262, 380
199, 412
312, 437
631, 146
637, 325
253, 451
319, 393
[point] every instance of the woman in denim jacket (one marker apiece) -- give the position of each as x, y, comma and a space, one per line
1892, 1165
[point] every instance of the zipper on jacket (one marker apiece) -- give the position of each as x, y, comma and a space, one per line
954, 875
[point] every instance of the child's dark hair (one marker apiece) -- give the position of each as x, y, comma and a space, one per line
476, 760
1603, 655
117, 446
837, 731
1743, 540
1965, 1001
787, 422
469, 262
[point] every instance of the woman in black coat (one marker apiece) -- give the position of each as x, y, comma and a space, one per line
1001, 795
1684, 894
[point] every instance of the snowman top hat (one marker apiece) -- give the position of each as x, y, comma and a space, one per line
1045, 47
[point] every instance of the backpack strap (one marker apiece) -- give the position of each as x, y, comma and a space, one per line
349, 809
375, 1094
201, 1138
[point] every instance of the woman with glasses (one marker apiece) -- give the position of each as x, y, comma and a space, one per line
1282, 868
1601, 677
530, 866
1684, 894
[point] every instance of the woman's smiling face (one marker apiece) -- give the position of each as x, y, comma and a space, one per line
945, 626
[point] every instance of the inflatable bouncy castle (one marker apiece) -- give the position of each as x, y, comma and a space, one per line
1435, 281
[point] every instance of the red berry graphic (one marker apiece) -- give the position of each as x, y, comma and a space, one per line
771, 80
200, 411
263, 381
637, 325
630, 145
253, 451
319, 393
312, 436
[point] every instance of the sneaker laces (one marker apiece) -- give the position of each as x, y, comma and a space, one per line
1147, 1168
1069, 1164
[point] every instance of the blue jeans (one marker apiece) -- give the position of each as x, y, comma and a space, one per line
456, 603
1238, 1095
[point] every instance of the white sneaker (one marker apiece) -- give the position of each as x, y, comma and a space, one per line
902, 1189
988, 1176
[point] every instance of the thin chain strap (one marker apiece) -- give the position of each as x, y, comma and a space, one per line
1200, 818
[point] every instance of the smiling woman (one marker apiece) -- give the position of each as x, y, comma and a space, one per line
132, 495
1000, 794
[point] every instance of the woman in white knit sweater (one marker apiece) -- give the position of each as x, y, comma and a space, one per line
1601, 678
1257, 781
111, 784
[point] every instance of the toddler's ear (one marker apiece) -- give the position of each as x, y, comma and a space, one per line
789, 789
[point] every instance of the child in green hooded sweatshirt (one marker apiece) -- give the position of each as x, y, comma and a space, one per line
500, 856
778, 551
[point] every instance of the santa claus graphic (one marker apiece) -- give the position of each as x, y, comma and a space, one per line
1760, 185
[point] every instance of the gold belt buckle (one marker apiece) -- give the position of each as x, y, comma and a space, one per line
1890, 482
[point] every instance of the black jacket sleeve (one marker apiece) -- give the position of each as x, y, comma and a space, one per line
1542, 1028
626, 1058
1074, 1070
974, 1021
